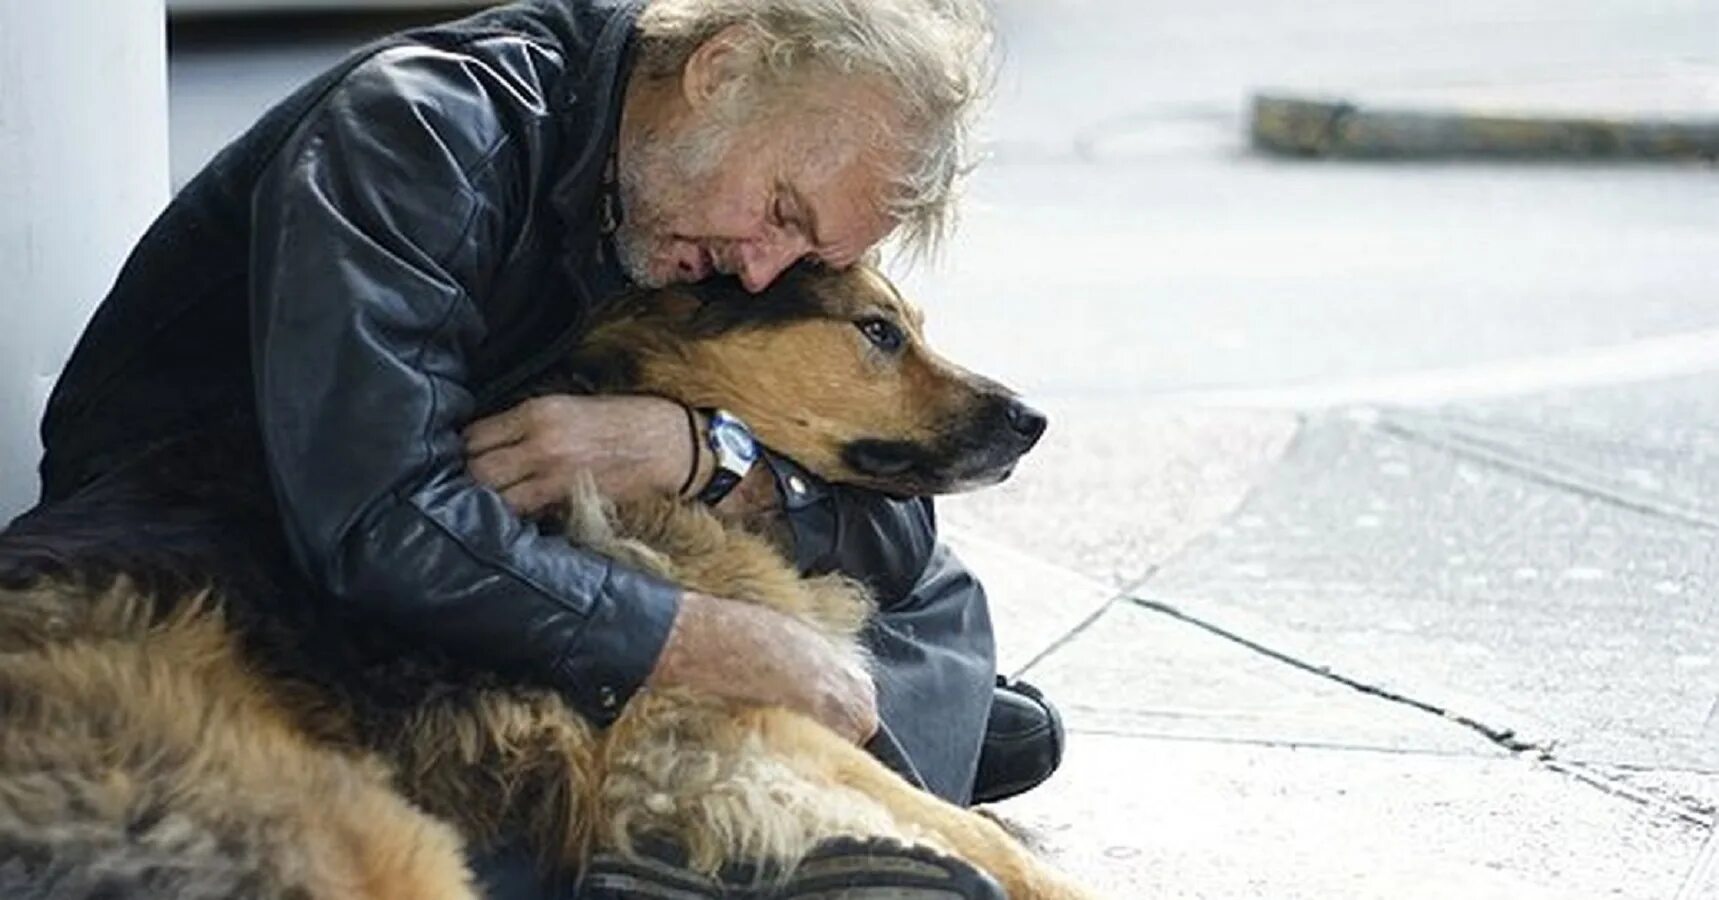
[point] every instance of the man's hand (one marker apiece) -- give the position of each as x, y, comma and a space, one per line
533, 453
755, 654
633, 446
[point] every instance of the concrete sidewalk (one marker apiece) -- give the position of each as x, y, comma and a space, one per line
1400, 667
1371, 551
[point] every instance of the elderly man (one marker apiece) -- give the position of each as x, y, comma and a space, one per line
367, 277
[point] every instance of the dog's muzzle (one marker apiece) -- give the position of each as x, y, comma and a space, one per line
978, 450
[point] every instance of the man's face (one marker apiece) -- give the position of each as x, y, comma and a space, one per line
749, 193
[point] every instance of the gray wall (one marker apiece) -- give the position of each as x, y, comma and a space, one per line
83, 169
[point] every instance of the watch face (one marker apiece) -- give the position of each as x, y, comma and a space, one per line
733, 438
737, 442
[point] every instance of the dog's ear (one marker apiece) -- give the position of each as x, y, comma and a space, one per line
671, 306
600, 368
608, 360
641, 325
659, 306
725, 305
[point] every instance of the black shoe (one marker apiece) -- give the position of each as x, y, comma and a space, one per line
841, 869
1023, 743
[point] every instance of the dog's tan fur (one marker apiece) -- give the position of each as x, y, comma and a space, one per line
112, 702
137, 744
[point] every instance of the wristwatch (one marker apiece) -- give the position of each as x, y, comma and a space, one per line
736, 450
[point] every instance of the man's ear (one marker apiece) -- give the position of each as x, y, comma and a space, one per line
716, 64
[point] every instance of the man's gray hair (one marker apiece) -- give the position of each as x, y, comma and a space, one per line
933, 56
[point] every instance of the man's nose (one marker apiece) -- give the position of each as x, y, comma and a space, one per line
762, 261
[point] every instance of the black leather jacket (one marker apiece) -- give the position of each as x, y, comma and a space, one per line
386, 255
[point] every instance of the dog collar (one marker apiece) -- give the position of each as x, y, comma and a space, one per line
736, 450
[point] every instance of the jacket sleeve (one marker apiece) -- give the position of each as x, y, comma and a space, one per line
375, 228
931, 641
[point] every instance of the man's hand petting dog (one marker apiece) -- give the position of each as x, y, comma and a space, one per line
534, 453
634, 446
754, 654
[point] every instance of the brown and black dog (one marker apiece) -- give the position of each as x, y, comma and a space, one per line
159, 742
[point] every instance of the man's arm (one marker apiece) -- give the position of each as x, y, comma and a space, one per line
373, 232
376, 228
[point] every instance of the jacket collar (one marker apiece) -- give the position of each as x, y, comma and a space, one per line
591, 107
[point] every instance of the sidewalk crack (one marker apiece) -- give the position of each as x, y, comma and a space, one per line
1073, 633
1505, 738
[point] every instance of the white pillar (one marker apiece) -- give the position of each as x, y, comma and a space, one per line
83, 170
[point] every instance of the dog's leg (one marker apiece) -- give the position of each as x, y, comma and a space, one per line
691, 769
819, 753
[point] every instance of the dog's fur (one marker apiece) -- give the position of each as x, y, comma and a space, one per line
160, 742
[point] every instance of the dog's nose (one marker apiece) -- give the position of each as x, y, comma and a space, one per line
1027, 422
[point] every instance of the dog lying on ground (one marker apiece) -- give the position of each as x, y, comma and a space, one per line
158, 741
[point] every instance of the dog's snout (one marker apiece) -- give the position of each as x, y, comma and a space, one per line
1027, 422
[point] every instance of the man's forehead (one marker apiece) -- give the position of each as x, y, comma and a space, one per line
844, 209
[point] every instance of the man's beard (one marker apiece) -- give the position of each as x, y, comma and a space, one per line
658, 174
632, 246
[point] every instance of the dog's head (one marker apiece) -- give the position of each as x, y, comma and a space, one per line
828, 368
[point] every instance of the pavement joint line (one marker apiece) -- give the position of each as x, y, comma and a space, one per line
1123, 596
1618, 788
1544, 754
1280, 744
1073, 633
1644, 768
1115, 596
1700, 875
1479, 450
1503, 737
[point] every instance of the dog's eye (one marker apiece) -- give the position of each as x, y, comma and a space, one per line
882, 333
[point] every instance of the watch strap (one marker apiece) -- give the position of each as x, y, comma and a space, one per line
722, 483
